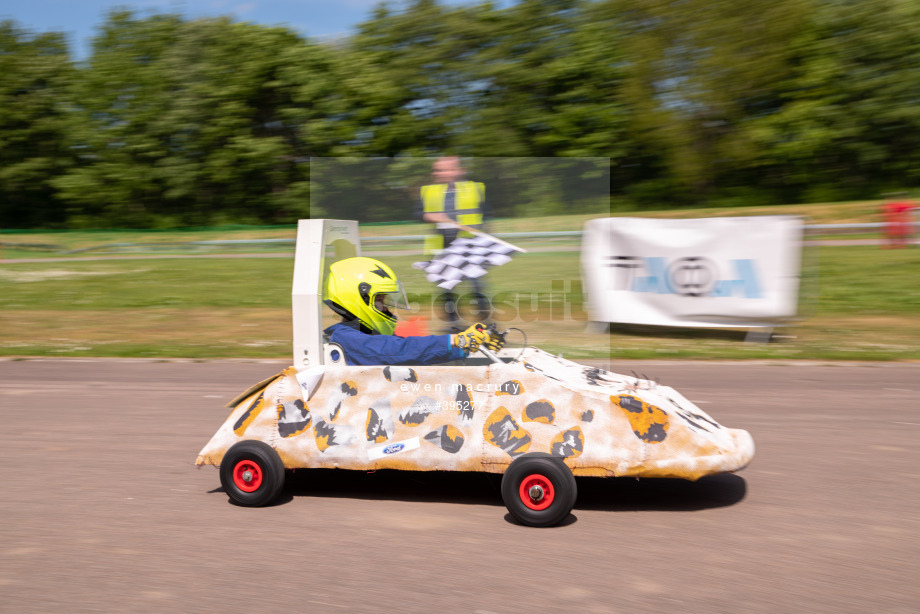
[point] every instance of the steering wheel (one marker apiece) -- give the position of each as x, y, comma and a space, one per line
493, 330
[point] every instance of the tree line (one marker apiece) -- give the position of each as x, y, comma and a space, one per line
173, 121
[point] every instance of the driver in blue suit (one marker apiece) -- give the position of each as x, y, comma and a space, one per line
365, 291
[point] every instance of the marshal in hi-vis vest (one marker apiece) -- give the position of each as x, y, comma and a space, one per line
468, 198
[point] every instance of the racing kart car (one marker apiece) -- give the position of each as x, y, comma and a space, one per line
538, 419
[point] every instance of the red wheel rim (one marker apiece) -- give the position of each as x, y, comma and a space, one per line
537, 492
247, 476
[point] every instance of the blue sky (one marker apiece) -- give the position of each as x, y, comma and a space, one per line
80, 18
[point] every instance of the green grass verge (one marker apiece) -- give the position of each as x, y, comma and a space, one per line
861, 303
37, 244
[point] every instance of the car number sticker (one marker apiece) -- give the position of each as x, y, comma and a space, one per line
391, 448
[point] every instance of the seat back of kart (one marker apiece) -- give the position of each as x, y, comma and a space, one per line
320, 243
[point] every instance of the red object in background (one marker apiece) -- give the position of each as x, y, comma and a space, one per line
415, 326
898, 223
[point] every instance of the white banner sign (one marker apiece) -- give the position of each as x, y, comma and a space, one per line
713, 272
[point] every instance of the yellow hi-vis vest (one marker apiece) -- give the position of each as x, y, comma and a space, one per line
468, 196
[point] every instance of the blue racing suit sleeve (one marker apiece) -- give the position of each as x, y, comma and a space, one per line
363, 349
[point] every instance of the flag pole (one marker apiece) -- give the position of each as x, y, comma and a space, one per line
487, 235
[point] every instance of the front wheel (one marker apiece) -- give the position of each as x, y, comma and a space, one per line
252, 473
539, 490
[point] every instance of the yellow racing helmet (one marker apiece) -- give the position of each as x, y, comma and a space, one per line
365, 289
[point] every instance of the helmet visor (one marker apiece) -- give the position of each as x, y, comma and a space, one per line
388, 301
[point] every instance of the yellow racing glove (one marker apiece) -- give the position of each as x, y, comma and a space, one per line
471, 338
495, 342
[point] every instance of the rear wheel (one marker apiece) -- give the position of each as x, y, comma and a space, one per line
252, 473
539, 490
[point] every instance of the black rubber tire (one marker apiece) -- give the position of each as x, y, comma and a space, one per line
554, 470
268, 463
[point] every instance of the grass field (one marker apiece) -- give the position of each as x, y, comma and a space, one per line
859, 303
128, 242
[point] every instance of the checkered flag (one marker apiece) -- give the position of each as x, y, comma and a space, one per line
466, 259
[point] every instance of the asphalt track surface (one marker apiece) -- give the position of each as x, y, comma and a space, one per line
102, 509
